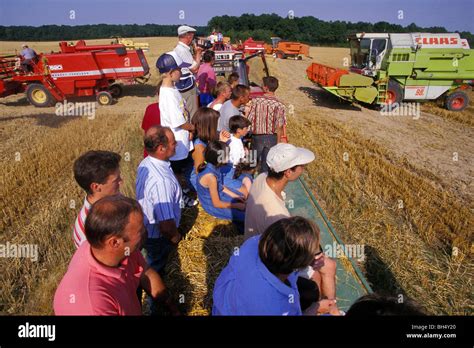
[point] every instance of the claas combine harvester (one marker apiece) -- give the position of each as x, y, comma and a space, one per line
387, 69
76, 71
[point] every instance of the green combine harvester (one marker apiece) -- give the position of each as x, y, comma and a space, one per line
387, 69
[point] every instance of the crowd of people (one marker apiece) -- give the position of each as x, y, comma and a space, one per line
208, 143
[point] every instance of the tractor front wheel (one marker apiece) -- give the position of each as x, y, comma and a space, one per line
280, 55
457, 101
104, 98
38, 95
394, 93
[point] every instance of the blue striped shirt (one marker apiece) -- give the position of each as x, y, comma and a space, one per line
159, 194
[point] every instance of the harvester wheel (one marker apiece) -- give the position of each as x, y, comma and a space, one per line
280, 55
116, 90
457, 101
300, 58
38, 95
394, 93
104, 98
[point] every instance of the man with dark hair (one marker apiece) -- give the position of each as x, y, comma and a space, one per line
240, 97
377, 305
105, 272
160, 196
97, 173
262, 278
206, 78
267, 116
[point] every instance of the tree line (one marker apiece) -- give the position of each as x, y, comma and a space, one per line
92, 31
305, 29
309, 29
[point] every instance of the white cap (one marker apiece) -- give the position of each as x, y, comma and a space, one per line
185, 29
24, 45
284, 156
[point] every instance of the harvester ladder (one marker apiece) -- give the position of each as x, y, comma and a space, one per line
382, 91
52, 85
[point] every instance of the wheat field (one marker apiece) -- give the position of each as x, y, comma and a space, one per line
410, 245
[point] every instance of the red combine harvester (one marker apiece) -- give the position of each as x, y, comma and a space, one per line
250, 46
78, 70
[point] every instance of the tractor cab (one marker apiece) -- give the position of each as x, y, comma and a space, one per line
251, 70
275, 41
367, 52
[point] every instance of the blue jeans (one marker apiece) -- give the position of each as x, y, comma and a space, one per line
157, 251
262, 144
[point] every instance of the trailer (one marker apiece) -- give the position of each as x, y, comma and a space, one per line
388, 69
76, 71
287, 49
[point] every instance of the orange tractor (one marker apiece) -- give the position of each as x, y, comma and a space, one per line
287, 49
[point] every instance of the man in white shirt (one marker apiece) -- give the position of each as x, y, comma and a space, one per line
187, 83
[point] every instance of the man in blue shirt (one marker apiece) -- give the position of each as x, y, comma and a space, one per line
261, 277
28, 55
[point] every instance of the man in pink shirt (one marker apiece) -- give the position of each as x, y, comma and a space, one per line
206, 78
106, 270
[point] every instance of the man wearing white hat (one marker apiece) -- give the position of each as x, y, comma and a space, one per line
266, 205
266, 200
187, 84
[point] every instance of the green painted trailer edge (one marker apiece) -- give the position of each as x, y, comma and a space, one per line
336, 236
351, 283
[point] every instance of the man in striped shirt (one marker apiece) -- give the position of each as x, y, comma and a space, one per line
97, 173
160, 196
267, 117
159, 193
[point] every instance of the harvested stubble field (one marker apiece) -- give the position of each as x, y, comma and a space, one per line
400, 193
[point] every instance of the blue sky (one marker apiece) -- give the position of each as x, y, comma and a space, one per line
452, 14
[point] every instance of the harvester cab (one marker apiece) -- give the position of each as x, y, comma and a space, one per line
367, 52
275, 41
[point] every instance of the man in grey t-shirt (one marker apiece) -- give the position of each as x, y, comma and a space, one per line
240, 96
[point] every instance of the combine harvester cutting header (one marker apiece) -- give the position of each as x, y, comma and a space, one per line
390, 68
78, 70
